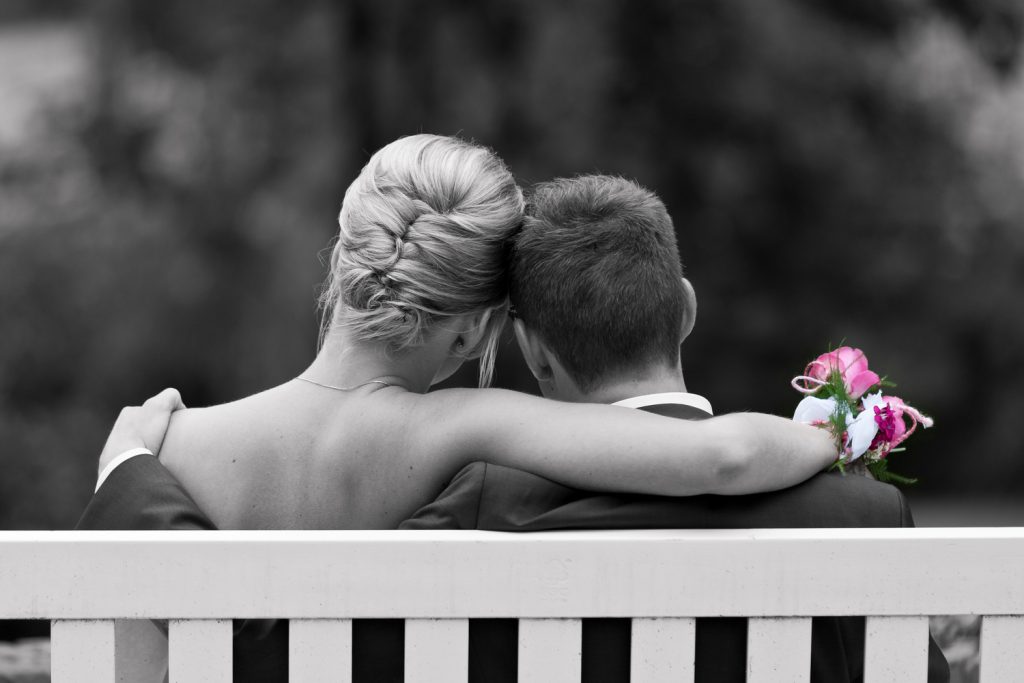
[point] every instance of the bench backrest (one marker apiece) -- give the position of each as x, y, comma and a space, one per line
549, 581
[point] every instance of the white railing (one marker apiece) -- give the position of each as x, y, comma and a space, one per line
436, 580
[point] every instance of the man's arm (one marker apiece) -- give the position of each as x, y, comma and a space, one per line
141, 494
135, 491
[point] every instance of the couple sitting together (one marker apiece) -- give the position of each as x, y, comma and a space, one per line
436, 247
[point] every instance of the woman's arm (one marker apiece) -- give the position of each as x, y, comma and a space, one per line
610, 448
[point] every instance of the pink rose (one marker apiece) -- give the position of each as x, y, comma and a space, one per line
851, 364
892, 427
897, 406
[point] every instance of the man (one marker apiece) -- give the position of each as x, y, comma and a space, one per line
600, 310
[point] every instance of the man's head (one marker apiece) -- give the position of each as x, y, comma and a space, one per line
597, 288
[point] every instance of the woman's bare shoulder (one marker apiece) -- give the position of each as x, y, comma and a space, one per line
243, 426
223, 453
195, 432
450, 425
484, 409
457, 401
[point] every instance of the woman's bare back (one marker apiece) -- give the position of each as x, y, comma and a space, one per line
302, 457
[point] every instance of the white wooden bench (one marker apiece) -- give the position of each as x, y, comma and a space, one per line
436, 580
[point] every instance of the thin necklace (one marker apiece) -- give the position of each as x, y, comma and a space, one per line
351, 388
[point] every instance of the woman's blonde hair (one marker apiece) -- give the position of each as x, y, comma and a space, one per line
423, 235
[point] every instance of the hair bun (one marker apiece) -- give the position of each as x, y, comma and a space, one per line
422, 234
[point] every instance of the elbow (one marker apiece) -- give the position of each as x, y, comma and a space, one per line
732, 472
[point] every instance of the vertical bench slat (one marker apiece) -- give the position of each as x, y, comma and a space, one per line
896, 649
82, 651
550, 650
662, 650
199, 651
779, 649
320, 650
1002, 649
436, 650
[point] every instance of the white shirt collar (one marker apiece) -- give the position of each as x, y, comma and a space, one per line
680, 397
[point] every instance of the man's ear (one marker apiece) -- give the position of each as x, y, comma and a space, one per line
535, 352
689, 310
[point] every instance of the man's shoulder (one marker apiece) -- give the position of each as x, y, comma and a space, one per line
488, 496
832, 499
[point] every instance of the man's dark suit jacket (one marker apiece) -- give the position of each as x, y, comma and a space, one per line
484, 496
141, 494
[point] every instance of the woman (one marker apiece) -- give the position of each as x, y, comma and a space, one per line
417, 287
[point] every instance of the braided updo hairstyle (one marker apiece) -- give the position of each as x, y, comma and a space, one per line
423, 235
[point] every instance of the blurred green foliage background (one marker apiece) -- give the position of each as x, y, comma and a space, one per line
171, 172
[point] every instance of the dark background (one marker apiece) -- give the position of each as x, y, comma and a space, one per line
171, 172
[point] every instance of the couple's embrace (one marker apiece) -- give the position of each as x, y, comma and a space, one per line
436, 248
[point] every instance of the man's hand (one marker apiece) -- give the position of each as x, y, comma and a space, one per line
141, 426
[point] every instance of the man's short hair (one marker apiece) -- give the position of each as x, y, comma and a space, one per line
595, 272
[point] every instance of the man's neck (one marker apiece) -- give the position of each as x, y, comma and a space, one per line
661, 382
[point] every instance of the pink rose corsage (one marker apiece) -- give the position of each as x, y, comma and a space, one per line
842, 395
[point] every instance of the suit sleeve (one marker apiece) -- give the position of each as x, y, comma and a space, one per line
141, 494
458, 506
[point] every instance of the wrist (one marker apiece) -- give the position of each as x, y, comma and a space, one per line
831, 445
116, 461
